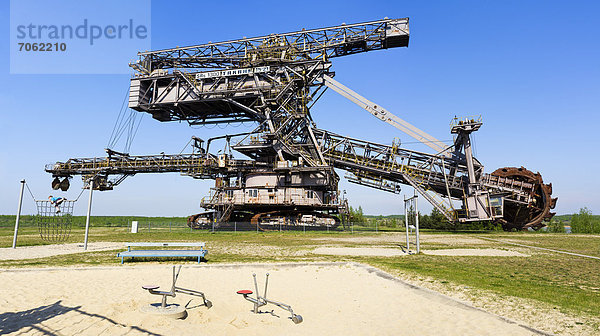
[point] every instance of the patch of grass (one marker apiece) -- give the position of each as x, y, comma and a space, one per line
583, 244
570, 283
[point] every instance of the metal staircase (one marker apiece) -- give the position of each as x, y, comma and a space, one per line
437, 201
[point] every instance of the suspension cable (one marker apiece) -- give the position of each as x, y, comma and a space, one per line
125, 123
30, 193
111, 140
33, 197
82, 190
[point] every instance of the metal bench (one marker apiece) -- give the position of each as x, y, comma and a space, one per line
198, 253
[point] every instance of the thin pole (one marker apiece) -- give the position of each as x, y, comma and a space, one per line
18, 214
89, 211
417, 222
406, 223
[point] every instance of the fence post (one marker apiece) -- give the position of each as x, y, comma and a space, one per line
169, 227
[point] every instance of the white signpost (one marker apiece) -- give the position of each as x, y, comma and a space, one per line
134, 226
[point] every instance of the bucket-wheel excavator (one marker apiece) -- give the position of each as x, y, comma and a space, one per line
288, 174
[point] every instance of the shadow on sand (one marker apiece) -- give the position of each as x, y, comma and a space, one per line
32, 320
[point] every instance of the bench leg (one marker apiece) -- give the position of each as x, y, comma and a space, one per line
121, 260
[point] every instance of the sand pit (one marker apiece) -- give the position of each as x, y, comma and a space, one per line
360, 251
334, 299
43, 251
476, 252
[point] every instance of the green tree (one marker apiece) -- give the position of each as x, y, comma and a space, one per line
584, 222
438, 221
356, 215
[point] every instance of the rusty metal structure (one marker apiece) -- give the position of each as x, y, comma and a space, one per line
287, 176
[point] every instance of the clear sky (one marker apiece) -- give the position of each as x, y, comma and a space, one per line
530, 68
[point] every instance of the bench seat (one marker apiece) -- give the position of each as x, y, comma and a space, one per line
200, 253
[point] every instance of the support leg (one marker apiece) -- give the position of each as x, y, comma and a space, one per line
89, 211
14, 244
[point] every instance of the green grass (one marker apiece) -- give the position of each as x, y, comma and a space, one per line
583, 244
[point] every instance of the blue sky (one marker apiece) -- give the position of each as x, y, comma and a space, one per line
530, 68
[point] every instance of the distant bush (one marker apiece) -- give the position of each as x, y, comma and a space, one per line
394, 221
585, 222
556, 226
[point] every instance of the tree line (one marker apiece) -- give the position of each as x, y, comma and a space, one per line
582, 222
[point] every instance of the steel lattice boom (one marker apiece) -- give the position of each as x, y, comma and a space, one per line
304, 45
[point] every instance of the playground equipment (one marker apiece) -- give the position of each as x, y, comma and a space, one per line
172, 310
260, 301
54, 220
54, 216
289, 178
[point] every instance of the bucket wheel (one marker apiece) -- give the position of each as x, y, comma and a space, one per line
520, 216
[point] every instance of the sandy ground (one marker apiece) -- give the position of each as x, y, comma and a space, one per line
475, 252
396, 252
340, 299
400, 238
42, 251
360, 251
